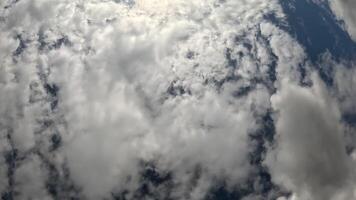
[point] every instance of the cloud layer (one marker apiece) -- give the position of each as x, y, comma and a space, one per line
167, 100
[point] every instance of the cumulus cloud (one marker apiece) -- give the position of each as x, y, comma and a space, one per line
126, 84
120, 89
96, 94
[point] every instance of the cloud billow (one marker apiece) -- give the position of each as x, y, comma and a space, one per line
166, 100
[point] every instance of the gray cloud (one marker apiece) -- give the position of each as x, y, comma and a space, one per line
310, 156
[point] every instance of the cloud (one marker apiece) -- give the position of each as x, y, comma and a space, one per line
344, 80
30, 171
127, 93
136, 120
309, 156
96, 93
345, 10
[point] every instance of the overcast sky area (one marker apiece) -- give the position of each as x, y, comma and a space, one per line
176, 100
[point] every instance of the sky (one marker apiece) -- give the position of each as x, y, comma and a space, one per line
172, 99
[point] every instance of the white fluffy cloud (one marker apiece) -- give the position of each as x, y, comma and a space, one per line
94, 90
128, 92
